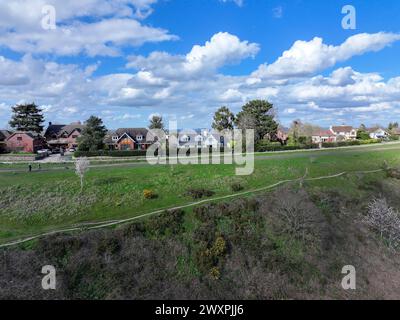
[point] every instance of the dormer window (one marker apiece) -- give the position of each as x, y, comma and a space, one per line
139, 138
115, 138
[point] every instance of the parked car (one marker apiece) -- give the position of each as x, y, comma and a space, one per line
55, 151
45, 152
71, 150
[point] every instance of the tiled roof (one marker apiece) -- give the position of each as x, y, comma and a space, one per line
31, 134
58, 129
342, 128
131, 132
324, 133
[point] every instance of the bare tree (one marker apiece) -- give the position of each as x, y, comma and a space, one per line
384, 220
81, 167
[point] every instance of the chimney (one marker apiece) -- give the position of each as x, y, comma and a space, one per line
50, 124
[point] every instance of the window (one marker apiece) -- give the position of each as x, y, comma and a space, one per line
139, 138
115, 138
74, 136
19, 138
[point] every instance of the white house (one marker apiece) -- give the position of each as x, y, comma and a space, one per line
378, 133
323, 136
346, 132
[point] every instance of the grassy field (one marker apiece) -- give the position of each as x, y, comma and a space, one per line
36, 202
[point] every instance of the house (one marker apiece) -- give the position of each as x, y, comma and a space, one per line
29, 142
63, 136
344, 132
395, 132
128, 139
4, 134
377, 133
281, 135
323, 136
200, 138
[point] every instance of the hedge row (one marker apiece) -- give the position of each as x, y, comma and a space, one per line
265, 148
128, 153
350, 143
259, 148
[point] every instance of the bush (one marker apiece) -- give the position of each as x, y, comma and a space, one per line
168, 223
385, 221
393, 173
350, 143
277, 147
215, 273
219, 247
199, 193
236, 187
149, 194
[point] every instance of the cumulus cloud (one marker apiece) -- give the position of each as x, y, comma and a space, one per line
163, 83
222, 49
113, 25
305, 58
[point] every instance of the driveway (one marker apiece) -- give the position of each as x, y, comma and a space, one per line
55, 158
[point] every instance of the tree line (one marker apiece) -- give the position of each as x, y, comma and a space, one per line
259, 115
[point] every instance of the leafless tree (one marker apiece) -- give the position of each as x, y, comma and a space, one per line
81, 167
384, 220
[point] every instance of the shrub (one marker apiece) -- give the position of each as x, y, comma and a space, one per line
215, 273
219, 247
385, 221
199, 193
149, 194
277, 147
205, 213
236, 187
349, 143
393, 173
169, 222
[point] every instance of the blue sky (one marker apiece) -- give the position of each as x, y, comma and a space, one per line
126, 60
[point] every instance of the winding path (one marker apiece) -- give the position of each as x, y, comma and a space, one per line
92, 226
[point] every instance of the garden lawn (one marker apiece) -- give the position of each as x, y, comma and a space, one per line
31, 203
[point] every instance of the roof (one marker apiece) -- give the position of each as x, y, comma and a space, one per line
30, 134
342, 128
133, 133
4, 134
375, 129
58, 129
324, 133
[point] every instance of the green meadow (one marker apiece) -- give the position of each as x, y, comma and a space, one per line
41, 201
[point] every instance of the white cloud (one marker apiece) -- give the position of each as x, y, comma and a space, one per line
113, 25
278, 12
162, 84
237, 2
290, 110
102, 38
305, 58
222, 49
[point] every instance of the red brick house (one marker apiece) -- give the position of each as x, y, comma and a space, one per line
63, 136
29, 142
128, 139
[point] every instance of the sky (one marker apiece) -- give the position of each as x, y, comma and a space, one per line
126, 60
